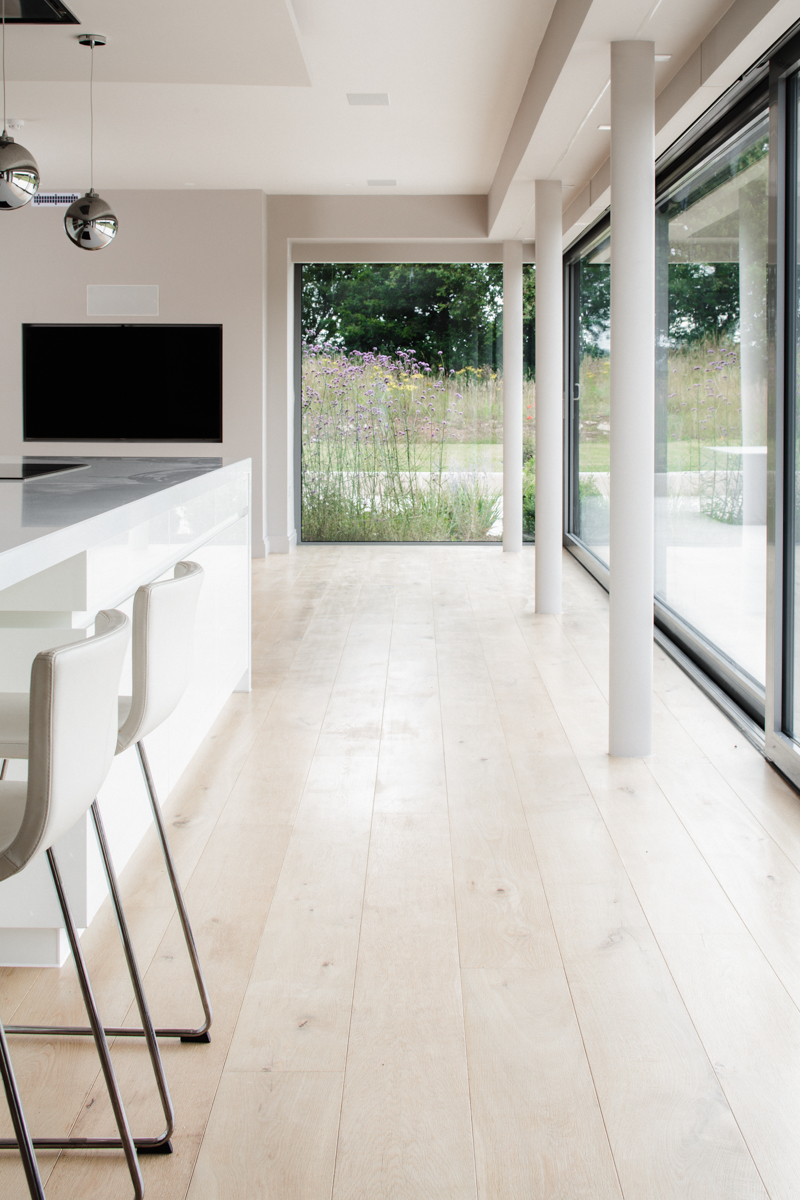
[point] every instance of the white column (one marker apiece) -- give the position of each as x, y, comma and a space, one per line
632, 397
512, 396
549, 396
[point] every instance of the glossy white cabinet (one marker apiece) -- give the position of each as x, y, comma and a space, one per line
71, 544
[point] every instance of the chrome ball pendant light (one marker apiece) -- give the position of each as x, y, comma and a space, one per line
90, 222
19, 174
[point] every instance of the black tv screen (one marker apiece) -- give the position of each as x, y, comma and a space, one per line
122, 383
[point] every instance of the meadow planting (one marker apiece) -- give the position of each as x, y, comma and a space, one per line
395, 448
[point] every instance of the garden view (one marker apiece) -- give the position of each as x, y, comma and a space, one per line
402, 402
710, 398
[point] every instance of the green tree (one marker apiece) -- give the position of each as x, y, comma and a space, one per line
703, 301
595, 308
529, 319
452, 308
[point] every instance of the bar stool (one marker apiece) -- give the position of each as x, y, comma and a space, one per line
163, 629
72, 734
163, 637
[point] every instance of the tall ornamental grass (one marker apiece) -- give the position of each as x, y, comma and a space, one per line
375, 435
702, 389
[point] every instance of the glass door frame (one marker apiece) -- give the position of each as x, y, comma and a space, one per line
784, 91
572, 539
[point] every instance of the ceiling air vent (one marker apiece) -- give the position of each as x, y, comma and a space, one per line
39, 12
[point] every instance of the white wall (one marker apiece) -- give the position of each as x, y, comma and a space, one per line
205, 250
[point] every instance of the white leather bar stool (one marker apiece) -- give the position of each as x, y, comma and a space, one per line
163, 635
163, 640
72, 736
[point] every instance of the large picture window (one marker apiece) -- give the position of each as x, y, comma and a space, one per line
402, 402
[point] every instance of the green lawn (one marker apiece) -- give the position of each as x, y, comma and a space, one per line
457, 456
594, 456
474, 456
681, 456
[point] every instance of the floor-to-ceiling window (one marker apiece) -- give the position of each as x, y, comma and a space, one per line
783, 615
588, 385
402, 402
791, 721
711, 419
711, 400
727, 394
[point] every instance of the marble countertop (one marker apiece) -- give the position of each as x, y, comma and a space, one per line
44, 520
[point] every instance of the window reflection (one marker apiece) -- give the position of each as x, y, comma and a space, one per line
711, 399
591, 283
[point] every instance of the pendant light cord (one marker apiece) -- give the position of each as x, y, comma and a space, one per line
4, 68
91, 119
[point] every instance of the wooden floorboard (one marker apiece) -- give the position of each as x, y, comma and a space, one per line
454, 950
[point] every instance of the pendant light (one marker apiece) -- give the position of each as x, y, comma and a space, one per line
19, 174
90, 222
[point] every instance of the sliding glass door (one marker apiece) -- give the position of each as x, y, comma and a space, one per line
727, 419
783, 610
791, 697
711, 407
589, 301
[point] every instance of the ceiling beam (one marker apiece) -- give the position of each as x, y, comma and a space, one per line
505, 200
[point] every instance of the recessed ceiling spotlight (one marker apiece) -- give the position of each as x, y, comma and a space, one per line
663, 57
373, 98
381, 183
604, 127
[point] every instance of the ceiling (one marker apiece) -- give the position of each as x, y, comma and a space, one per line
253, 94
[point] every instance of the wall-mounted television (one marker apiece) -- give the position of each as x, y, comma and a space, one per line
122, 383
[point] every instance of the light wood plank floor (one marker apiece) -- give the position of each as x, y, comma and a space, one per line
455, 950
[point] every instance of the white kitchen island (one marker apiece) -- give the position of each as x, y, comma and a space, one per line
84, 539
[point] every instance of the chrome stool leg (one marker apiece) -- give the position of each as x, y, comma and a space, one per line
157, 1145
125, 1140
30, 1166
200, 1034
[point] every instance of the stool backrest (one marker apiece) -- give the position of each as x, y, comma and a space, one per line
72, 734
163, 636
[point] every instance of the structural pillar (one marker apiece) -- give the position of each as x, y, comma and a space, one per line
632, 398
549, 396
512, 396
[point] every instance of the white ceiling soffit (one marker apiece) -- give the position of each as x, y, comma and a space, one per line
710, 43
742, 35
411, 252
182, 41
